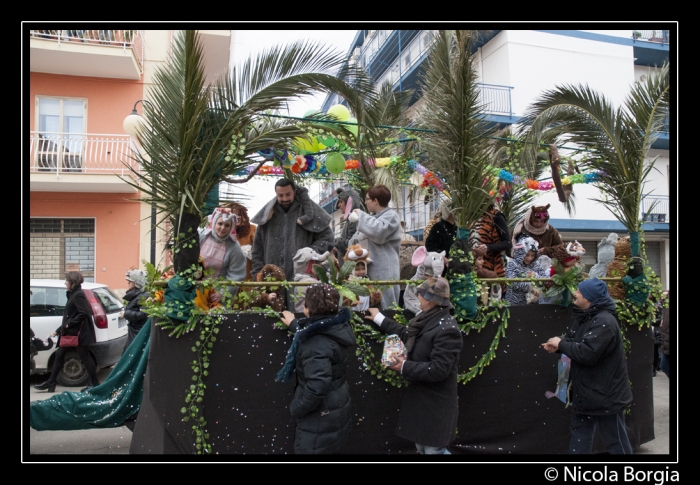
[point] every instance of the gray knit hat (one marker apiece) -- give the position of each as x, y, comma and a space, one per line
436, 290
137, 276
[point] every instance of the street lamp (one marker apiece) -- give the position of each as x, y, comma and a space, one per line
132, 125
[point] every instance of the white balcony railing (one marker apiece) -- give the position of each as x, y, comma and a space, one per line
655, 208
80, 153
125, 39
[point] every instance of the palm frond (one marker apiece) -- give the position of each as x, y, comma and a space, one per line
617, 140
460, 150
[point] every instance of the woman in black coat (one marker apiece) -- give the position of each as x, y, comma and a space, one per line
76, 321
433, 340
319, 354
133, 296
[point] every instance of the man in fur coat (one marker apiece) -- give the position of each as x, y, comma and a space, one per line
287, 223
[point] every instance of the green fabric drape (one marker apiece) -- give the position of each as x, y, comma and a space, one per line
105, 406
462, 233
634, 243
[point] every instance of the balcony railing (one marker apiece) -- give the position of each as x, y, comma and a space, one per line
125, 39
80, 153
496, 99
660, 36
655, 209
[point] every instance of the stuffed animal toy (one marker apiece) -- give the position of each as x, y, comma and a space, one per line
606, 254
427, 264
273, 296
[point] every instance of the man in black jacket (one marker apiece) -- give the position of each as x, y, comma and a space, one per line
600, 389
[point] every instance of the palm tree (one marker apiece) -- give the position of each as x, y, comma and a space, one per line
461, 149
617, 139
381, 115
198, 136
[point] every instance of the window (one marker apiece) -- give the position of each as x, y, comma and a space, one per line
110, 302
61, 245
61, 126
47, 302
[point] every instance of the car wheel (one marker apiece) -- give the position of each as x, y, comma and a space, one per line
73, 373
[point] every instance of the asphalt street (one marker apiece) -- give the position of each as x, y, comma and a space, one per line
116, 441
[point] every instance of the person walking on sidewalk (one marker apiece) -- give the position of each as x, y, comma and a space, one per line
76, 321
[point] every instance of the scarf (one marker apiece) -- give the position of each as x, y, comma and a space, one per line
307, 328
415, 326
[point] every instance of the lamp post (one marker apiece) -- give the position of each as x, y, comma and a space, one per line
132, 124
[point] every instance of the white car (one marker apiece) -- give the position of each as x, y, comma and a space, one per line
47, 301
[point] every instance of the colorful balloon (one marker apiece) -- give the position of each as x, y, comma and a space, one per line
351, 128
335, 163
340, 112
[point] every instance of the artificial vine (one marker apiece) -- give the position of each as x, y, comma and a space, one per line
364, 333
496, 309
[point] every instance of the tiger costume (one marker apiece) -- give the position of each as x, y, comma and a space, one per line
492, 230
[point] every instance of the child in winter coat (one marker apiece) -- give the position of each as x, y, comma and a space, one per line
523, 264
319, 355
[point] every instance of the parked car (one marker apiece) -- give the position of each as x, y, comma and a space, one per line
47, 301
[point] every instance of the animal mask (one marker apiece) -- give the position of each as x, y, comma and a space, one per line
428, 263
539, 211
357, 253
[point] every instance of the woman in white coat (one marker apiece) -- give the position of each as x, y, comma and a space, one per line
380, 232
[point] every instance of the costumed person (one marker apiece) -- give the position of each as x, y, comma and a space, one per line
380, 233
76, 321
304, 261
524, 264
361, 257
272, 296
464, 293
348, 200
220, 250
490, 238
600, 388
535, 223
245, 234
132, 312
566, 261
443, 233
287, 223
427, 264
433, 341
319, 356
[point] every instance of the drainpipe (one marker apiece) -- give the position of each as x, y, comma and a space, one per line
400, 74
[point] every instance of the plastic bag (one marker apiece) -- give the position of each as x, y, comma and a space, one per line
563, 383
393, 349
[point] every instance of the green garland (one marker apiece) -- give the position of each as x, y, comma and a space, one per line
497, 309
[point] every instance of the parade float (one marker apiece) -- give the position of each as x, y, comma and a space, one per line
201, 380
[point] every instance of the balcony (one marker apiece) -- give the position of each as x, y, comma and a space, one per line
79, 162
115, 54
658, 36
655, 209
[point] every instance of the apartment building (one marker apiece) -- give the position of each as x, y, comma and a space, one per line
82, 84
515, 67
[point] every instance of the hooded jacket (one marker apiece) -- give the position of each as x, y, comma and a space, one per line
516, 268
349, 228
321, 402
599, 380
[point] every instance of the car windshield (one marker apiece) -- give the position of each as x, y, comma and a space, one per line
110, 302
46, 302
